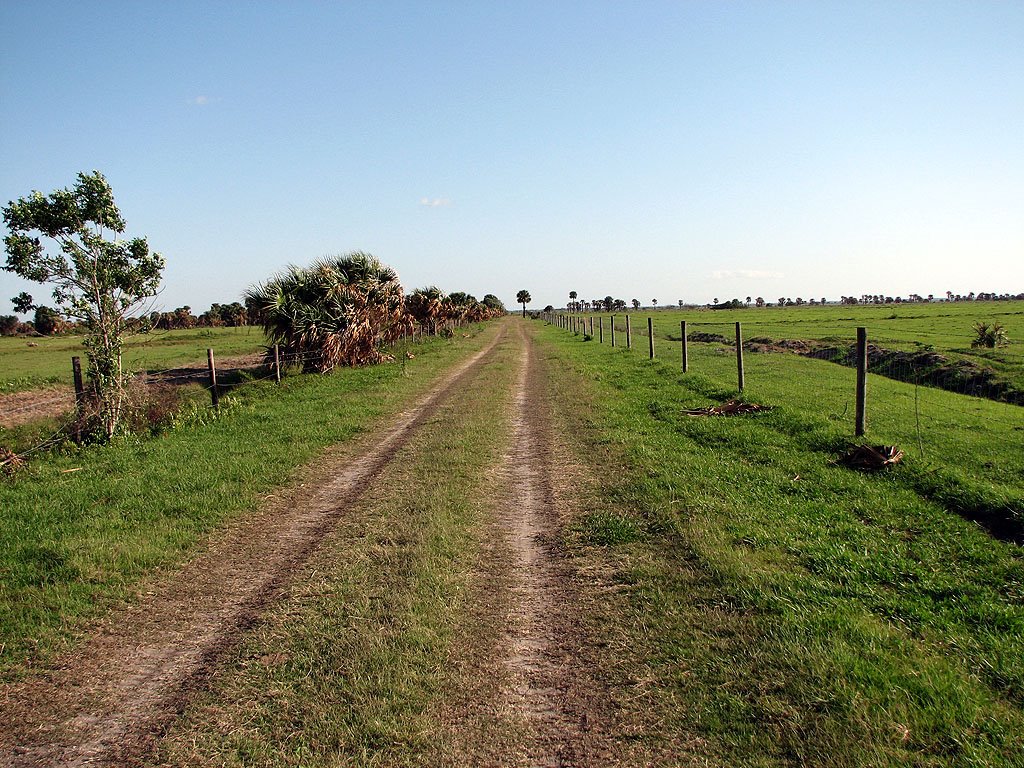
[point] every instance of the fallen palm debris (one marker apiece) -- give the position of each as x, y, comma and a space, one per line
871, 456
10, 462
730, 408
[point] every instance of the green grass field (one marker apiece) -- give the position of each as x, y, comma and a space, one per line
754, 603
27, 367
782, 609
942, 327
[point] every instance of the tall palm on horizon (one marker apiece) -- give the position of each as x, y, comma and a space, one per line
524, 298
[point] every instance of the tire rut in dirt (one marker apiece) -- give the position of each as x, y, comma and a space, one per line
549, 697
107, 702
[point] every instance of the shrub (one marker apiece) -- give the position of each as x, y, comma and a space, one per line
990, 336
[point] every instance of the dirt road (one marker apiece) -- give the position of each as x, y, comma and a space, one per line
109, 702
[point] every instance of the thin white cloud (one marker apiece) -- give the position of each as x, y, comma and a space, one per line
435, 202
202, 101
746, 274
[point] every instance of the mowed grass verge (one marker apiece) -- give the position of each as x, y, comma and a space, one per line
350, 666
767, 606
81, 531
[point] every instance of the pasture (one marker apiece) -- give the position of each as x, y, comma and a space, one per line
49, 361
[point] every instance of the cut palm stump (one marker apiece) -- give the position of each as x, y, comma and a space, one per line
730, 408
871, 456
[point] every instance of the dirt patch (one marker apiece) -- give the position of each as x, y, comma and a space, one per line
18, 408
107, 702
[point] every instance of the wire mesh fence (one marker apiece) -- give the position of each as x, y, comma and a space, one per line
961, 405
252, 369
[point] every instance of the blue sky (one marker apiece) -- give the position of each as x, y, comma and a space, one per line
682, 150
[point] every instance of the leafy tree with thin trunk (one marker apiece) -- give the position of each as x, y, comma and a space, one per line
98, 280
636, 303
524, 298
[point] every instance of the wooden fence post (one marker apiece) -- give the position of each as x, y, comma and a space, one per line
277, 363
650, 335
862, 380
76, 371
629, 336
591, 326
213, 378
611, 324
739, 355
600, 328
682, 330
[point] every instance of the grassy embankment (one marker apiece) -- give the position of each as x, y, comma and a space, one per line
49, 362
80, 530
349, 667
776, 608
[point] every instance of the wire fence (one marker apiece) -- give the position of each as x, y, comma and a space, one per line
941, 404
216, 381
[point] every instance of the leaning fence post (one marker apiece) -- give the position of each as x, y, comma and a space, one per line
650, 335
629, 336
862, 379
739, 355
682, 330
277, 363
213, 377
76, 370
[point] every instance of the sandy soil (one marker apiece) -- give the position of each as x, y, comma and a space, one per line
107, 702
18, 408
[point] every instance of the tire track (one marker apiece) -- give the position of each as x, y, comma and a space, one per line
527, 690
108, 701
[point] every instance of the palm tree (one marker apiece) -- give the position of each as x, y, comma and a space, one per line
337, 311
524, 298
572, 301
636, 303
426, 306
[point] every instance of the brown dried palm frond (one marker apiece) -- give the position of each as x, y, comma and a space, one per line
871, 456
729, 408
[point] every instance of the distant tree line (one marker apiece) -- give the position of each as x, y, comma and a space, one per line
609, 304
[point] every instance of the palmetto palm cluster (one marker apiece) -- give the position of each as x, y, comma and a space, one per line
338, 311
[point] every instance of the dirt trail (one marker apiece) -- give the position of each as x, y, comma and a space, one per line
536, 655
106, 703
527, 695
